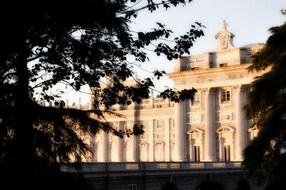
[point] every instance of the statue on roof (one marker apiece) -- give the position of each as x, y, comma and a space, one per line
224, 38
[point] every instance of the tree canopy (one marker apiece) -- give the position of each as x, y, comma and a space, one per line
48, 42
266, 108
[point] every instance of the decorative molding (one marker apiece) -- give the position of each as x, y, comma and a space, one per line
196, 130
225, 129
144, 144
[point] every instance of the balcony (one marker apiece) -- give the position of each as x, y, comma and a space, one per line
150, 167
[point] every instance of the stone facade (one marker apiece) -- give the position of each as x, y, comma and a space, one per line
185, 143
155, 175
211, 128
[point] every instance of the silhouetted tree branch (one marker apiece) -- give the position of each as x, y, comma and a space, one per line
48, 42
266, 108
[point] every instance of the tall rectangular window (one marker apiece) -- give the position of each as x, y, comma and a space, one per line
197, 153
225, 96
227, 153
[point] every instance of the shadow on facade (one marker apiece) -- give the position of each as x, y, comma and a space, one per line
243, 184
210, 185
170, 186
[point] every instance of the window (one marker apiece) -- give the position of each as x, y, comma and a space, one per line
196, 153
227, 153
132, 186
225, 96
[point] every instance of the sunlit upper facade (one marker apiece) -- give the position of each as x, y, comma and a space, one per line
211, 128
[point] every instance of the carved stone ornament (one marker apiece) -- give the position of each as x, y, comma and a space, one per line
224, 38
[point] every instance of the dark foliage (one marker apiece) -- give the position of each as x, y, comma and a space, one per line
48, 42
274, 185
266, 108
47, 179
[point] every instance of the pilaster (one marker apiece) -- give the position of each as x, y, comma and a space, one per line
105, 148
179, 132
167, 139
151, 140
120, 143
240, 124
210, 145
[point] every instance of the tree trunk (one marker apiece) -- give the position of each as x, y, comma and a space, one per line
23, 153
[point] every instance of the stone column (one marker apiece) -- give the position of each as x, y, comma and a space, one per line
151, 140
191, 148
240, 127
120, 143
221, 148
134, 145
105, 147
93, 146
179, 131
136, 148
210, 145
178, 65
167, 139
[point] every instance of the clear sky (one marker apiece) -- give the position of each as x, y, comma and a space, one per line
248, 20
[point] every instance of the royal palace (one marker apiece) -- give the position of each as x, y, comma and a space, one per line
203, 139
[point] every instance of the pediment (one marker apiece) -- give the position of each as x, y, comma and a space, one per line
225, 129
196, 130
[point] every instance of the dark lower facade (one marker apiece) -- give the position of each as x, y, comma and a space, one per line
167, 176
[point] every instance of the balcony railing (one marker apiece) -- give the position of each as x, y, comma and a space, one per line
149, 166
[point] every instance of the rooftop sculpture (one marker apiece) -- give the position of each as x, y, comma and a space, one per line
224, 38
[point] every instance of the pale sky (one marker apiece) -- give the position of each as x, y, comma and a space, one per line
248, 20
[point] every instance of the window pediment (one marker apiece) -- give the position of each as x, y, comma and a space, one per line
225, 129
159, 142
196, 131
144, 144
